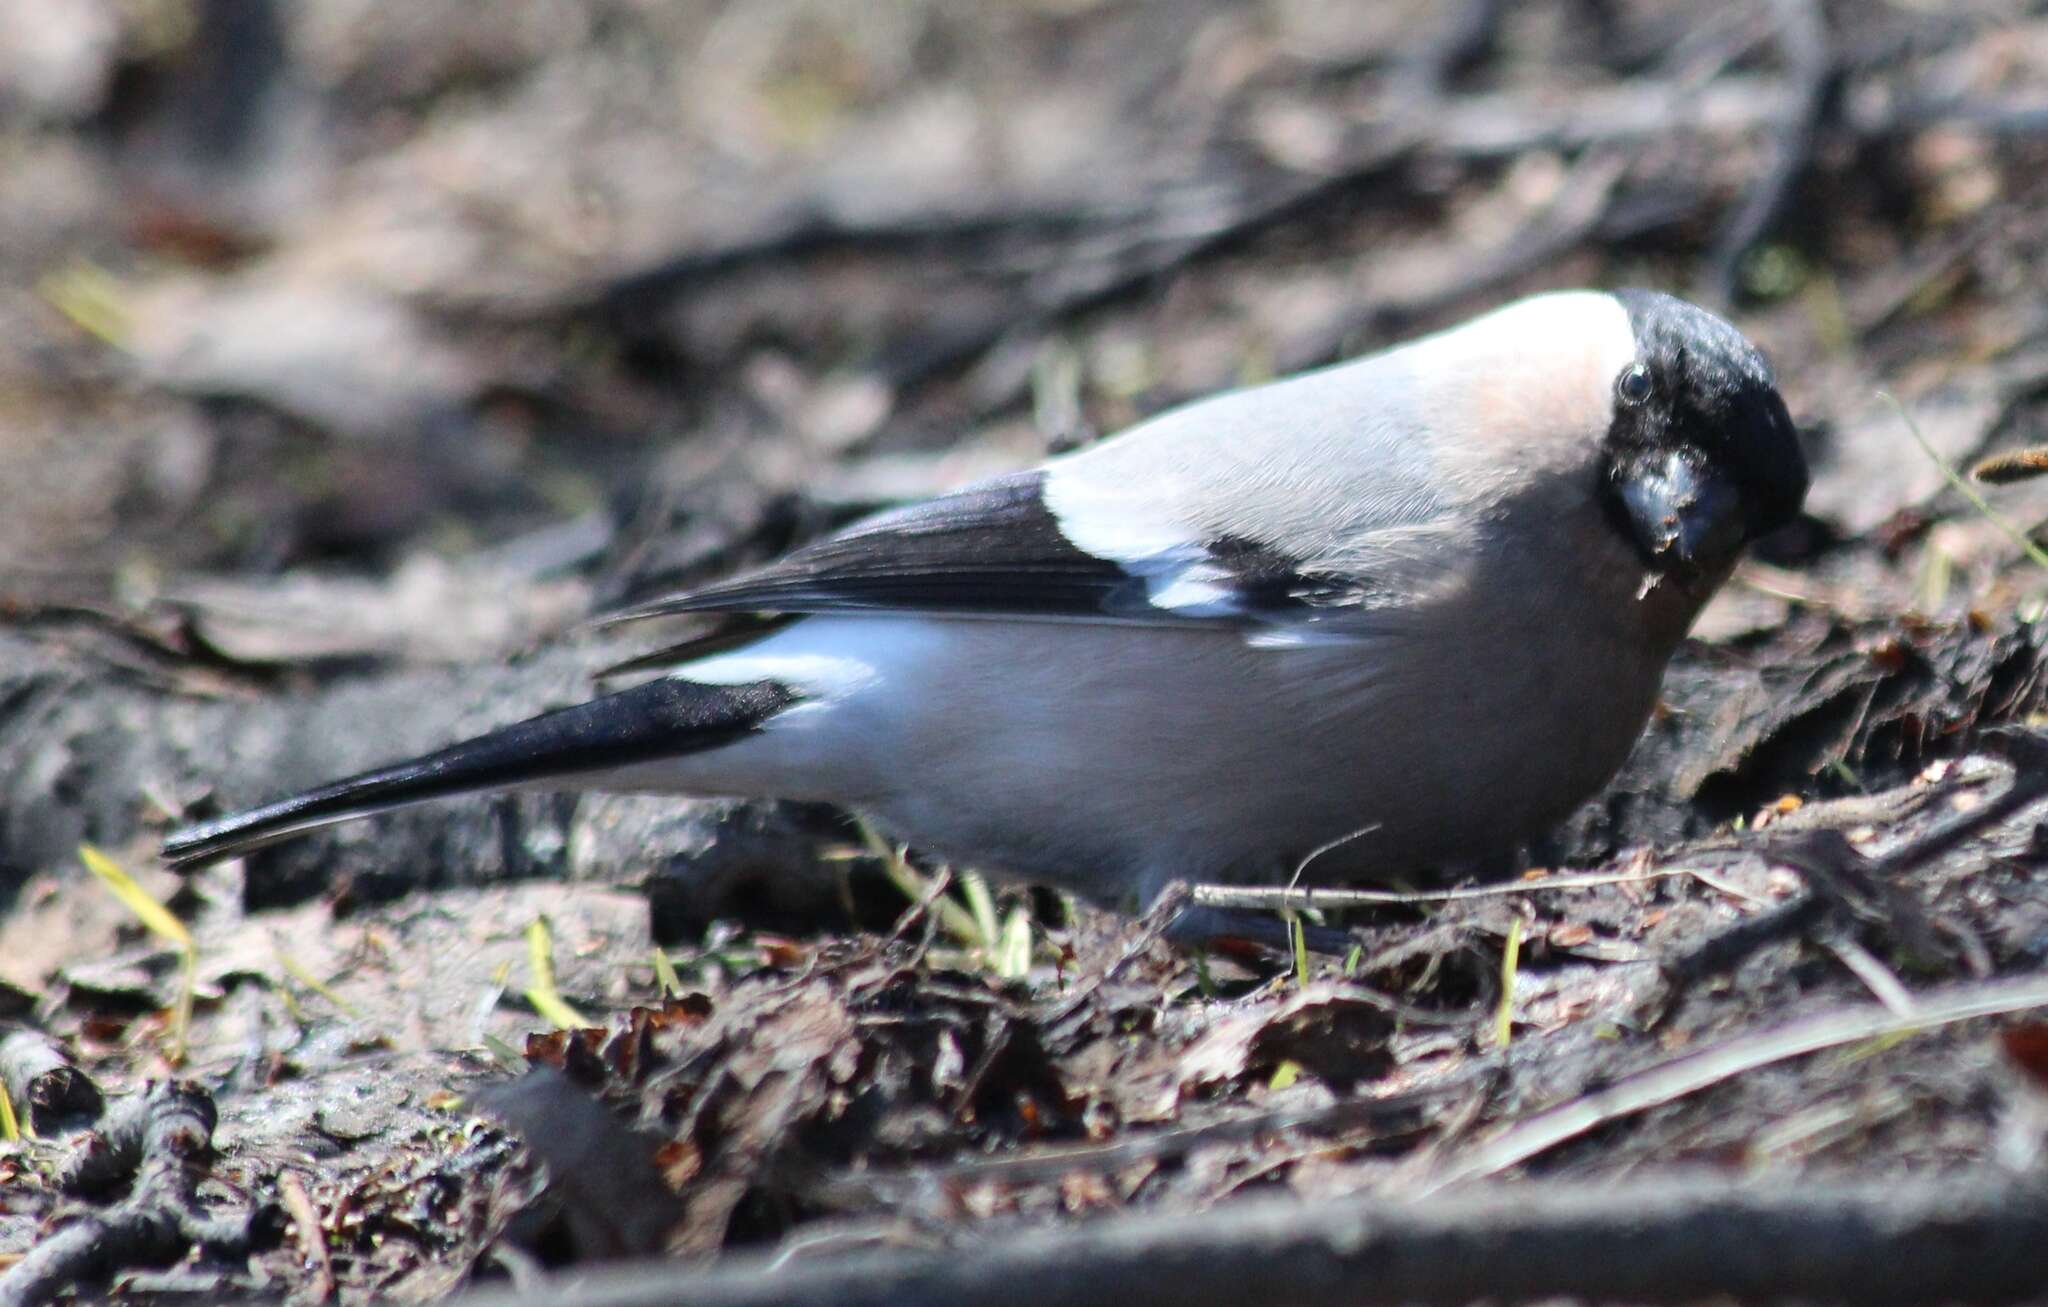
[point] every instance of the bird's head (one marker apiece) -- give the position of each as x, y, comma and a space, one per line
1700, 457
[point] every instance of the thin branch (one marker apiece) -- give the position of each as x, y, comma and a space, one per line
1803, 35
1302, 899
1521, 1140
305, 1218
1882, 982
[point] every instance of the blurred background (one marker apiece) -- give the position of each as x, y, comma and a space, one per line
353, 353
344, 339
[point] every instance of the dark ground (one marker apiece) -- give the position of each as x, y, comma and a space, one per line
356, 352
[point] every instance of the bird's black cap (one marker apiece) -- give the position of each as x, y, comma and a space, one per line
1712, 391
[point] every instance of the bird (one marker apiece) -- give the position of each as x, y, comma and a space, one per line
1385, 619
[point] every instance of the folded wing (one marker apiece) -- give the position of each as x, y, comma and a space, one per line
997, 549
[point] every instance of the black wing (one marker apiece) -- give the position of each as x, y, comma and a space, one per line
996, 548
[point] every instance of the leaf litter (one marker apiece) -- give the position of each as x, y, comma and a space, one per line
1754, 958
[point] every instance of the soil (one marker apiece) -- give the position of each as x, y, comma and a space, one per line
358, 354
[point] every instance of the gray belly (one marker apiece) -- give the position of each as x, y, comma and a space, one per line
1111, 760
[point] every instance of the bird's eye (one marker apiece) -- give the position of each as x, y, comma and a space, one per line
1633, 385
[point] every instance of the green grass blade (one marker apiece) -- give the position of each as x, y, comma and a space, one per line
541, 991
1510, 964
160, 920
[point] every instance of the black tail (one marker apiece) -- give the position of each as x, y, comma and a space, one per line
663, 718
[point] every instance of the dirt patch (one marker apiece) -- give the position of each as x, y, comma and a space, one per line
360, 352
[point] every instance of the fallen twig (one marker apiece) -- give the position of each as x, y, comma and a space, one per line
1468, 39
43, 1082
1843, 881
1518, 1141
1671, 1241
864, 1189
1303, 898
298, 1204
161, 1138
1581, 205
1883, 984
171, 1118
1803, 35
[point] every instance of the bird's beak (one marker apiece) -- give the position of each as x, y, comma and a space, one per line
1685, 515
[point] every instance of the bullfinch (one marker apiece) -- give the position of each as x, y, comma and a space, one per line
1395, 615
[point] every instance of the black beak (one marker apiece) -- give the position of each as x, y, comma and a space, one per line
1685, 515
